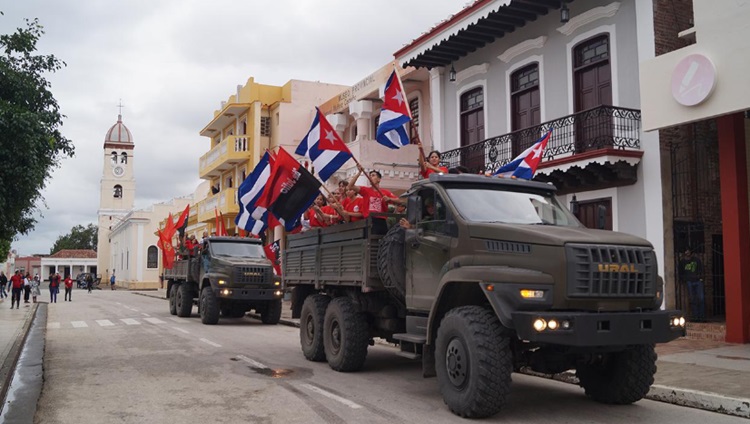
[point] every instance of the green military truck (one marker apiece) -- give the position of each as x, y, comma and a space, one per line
492, 275
228, 276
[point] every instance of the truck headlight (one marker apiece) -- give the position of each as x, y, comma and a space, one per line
222, 282
532, 294
277, 293
540, 324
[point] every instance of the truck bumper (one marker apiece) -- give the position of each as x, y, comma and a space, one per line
249, 294
599, 329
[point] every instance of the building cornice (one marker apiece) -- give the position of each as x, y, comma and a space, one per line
522, 47
588, 17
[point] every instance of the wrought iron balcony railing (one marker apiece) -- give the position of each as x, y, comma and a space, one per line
598, 128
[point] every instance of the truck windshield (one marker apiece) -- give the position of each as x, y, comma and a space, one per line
510, 207
242, 250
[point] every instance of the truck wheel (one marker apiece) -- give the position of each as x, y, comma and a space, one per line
392, 263
271, 312
345, 335
183, 300
619, 378
209, 308
172, 300
311, 327
473, 362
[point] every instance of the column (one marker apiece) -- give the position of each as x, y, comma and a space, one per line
436, 107
735, 226
361, 111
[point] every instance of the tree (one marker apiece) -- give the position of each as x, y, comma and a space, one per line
31, 144
80, 237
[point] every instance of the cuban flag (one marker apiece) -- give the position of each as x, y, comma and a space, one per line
248, 194
394, 115
324, 147
525, 164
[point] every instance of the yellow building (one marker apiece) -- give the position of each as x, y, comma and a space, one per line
257, 117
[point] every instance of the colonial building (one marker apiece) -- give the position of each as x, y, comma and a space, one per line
68, 262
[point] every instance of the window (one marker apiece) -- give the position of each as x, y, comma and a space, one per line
414, 125
472, 117
265, 126
432, 212
243, 126
114, 158
152, 257
124, 157
525, 105
118, 191
593, 88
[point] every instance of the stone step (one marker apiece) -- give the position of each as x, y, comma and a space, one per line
716, 331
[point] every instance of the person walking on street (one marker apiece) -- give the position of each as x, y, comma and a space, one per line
26, 287
54, 287
3, 283
17, 284
68, 288
692, 273
35, 288
89, 282
112, 281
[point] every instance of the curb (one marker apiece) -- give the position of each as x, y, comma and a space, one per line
8, 366
683, 397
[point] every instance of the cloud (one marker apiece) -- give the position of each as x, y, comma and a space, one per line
172, 62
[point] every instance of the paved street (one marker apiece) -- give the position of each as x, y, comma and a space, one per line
119, 357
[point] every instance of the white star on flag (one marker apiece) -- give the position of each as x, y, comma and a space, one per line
330, 137
399, 98
537, 152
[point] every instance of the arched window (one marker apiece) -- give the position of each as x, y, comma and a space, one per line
472, 116
152, 257
114, 158
118, 191
124, 158
592, 79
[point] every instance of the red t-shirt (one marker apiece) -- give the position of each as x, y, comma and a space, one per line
54, 281
372, 201
68, 283
353, 205
17, 281
426, 173
327, 210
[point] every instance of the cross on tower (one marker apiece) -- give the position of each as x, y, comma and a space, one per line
120, 106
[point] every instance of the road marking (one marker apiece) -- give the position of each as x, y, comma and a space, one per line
177, 319
53, 325
206, 341
180, 329
253, 362
130, 321
154, 320
330, 395
145, 314
79, 324
104, 323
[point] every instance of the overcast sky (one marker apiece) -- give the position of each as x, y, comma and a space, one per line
172, 62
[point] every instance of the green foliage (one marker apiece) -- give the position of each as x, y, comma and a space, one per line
31, 144
4, 249
80, 237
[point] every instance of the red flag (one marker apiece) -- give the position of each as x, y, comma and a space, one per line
272, 253
223, 228
165, 243
182, 221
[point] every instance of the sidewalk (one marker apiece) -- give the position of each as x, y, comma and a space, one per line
703, 374
14, 325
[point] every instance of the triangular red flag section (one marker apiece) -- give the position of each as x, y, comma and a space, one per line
329, 138
394, 98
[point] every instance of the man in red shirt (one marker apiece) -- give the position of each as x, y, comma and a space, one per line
374, 199
68, 288
352, 206
17, 283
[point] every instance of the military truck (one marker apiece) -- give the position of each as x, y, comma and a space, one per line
492, 275
227, 277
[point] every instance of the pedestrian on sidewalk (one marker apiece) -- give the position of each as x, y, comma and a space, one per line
3, 283
17, 283
54, 287
692, 274
68, 288
35, 288
89, 282
112, 281
26, 287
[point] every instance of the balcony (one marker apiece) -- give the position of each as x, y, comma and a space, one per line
224, 201
592, 149
231, 151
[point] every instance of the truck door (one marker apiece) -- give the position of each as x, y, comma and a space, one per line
428, 245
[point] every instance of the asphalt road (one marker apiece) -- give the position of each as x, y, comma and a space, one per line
115, 357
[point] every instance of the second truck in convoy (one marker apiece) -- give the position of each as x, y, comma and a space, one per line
490, 276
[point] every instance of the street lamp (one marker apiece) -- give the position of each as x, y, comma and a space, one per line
452, 74
564, 12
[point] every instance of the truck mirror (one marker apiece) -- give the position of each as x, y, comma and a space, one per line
412, 208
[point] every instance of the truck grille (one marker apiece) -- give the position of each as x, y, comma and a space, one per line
610, 271
253, 275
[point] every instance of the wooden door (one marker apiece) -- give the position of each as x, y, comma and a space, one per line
472, 128
593, 88
525, 106
596, 213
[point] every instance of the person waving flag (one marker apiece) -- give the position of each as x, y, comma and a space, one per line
324, 147
394, 115
525, 164
249, 192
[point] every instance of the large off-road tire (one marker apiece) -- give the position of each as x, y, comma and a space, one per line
172, 300
184, 300
311, 327
271, 313
473, 361
392, 262
345, 335
209, 306
619, 378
